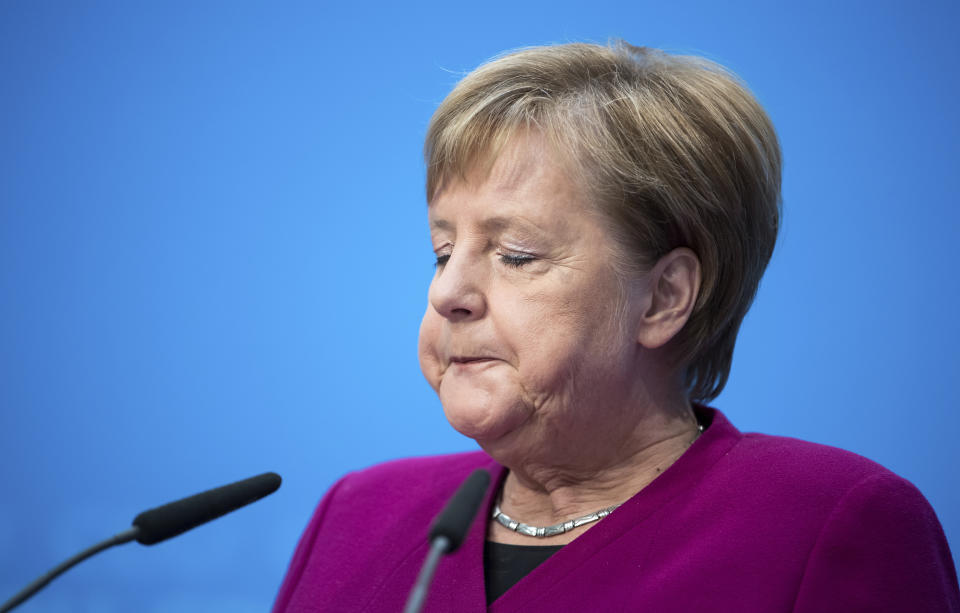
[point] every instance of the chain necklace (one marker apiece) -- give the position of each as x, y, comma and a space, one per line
544, 531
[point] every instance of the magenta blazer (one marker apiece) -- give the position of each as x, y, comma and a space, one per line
741, 523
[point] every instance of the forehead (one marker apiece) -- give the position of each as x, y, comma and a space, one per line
526, 180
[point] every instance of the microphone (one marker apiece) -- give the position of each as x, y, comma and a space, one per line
169, 520
448, 531
177, 517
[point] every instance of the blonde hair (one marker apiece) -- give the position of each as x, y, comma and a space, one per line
673, 150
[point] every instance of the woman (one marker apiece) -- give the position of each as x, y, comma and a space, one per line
601, 219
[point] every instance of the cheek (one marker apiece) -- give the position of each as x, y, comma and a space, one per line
567, 331
430, 328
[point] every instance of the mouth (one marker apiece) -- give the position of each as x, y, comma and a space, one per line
466, 361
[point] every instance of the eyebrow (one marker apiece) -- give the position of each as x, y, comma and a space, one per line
441, 224
491, 224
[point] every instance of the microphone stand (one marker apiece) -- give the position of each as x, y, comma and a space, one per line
448, 531
167, 521
418, 596
118, 539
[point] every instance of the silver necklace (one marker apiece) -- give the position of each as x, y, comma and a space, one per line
544, 531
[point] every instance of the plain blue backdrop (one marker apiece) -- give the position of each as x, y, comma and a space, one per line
214, 257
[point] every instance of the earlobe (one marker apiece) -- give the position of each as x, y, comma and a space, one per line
673, 286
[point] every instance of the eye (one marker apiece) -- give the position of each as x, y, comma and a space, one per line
516, 260
442, 259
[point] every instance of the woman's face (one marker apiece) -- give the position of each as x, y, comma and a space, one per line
528, 329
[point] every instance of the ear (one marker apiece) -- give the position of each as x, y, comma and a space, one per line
672, 285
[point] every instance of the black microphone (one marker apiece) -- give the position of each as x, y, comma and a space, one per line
177, 517
448, 531
164, 522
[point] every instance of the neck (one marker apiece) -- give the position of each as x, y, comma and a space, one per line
555, 492
543, 489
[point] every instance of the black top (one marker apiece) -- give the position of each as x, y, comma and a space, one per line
504, 565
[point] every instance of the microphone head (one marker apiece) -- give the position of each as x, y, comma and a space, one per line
454, 520
177, 517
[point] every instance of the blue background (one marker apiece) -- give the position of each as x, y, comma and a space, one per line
214, 257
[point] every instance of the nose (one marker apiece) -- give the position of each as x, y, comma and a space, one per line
457, 292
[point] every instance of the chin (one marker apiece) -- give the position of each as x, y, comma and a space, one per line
479, 416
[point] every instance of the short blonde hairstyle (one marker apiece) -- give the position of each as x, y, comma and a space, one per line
673, 150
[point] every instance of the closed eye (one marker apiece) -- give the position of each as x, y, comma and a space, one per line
512, 260
516, 261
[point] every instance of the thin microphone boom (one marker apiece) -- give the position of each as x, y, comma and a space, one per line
448, 531
38, 584
164, 522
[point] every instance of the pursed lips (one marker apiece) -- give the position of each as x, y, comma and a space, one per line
463, 360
